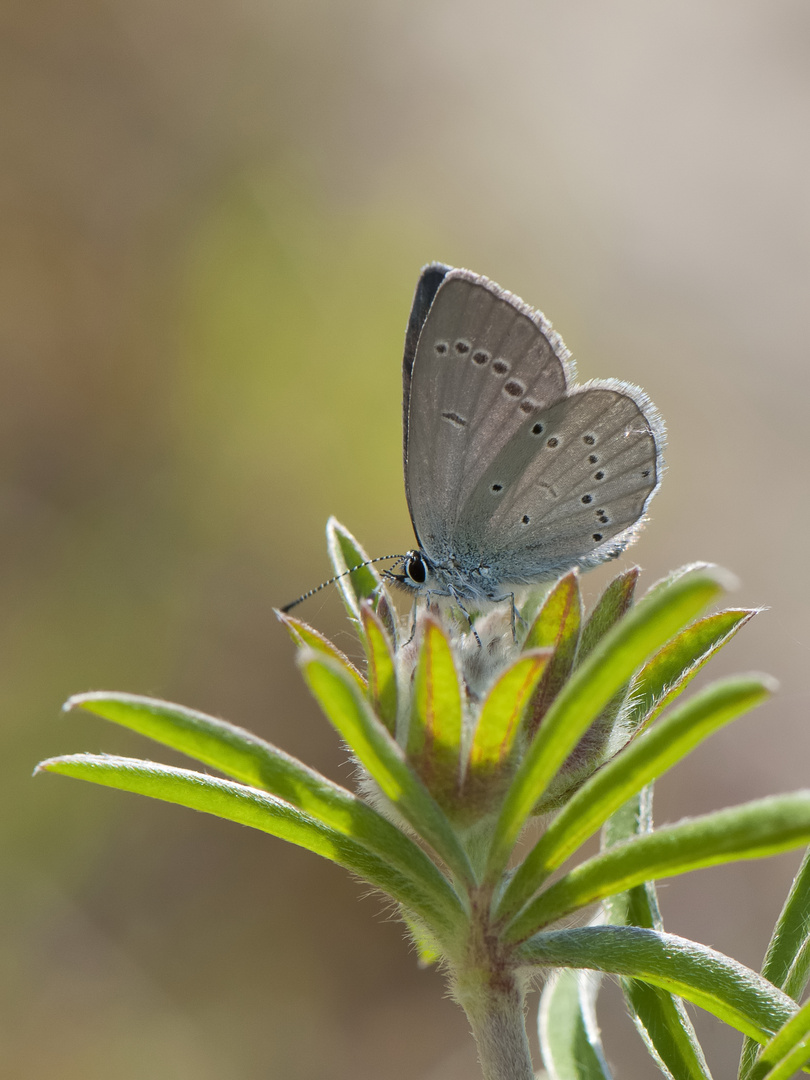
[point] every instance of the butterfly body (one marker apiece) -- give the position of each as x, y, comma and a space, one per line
513, 474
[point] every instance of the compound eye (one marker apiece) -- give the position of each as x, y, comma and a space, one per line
416, 570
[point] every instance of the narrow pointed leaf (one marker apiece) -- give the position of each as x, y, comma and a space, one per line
385, 612
559, 618
350, 713
434, 733
755, 829
427, 950
247, 758
687, 570
613, 604
787, 961
621, 652
632, 818
382, 672
787, 1051
569, 1035
531, 602
659, 1016
642, 761
500, 718
671, 670
345, 554
703, 976
790, 1065
248, 806
303, 634
661, 1020
556, 627
639, 905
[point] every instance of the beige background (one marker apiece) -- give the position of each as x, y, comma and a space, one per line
214, 215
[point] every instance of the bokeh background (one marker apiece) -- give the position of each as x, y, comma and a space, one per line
213, 218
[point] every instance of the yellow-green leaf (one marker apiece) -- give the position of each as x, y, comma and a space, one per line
434, 735
557, 627
502, 711
382, 674
304, 634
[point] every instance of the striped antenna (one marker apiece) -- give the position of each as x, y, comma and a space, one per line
331, 581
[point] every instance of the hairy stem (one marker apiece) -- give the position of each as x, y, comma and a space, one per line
494, 1005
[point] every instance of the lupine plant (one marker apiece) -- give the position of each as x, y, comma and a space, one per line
462, 738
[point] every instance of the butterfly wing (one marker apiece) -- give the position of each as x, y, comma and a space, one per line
484, 363
429, 281
569, 488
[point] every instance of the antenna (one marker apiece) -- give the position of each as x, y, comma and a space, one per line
337, 577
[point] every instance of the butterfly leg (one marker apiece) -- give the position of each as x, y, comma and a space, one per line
414, 610
413, 628
513, 612
466, 615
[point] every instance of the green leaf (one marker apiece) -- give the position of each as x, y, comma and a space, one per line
595, 745
349, 712
613, 604
427, 949
556, 627
662, 1021
659, 1016
632, 818
730, 991
382, 672
750, 831
671, 670
637, 906
249, 759
560, 616
304, 634
623, 649
639, 763
434, 732
789, 1066
346, 554
501, 713
531, 601
259, 810
386, 613
674, 576
787, 1051
569, 1035
787, 961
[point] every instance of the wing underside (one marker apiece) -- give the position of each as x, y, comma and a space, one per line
507, 466
484, 364
569, 486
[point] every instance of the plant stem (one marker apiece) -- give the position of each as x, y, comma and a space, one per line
495, 1009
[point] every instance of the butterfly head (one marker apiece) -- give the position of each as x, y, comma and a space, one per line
417, 572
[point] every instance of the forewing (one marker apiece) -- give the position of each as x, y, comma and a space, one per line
484, 363
570, 488
429, 281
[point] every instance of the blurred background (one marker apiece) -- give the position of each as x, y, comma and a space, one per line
213, 218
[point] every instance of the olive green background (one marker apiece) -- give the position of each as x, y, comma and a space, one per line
213, 218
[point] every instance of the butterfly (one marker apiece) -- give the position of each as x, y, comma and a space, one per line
513, 473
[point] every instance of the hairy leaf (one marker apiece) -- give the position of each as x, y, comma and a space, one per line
763, 827
350, 713
703, 976
623, 649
